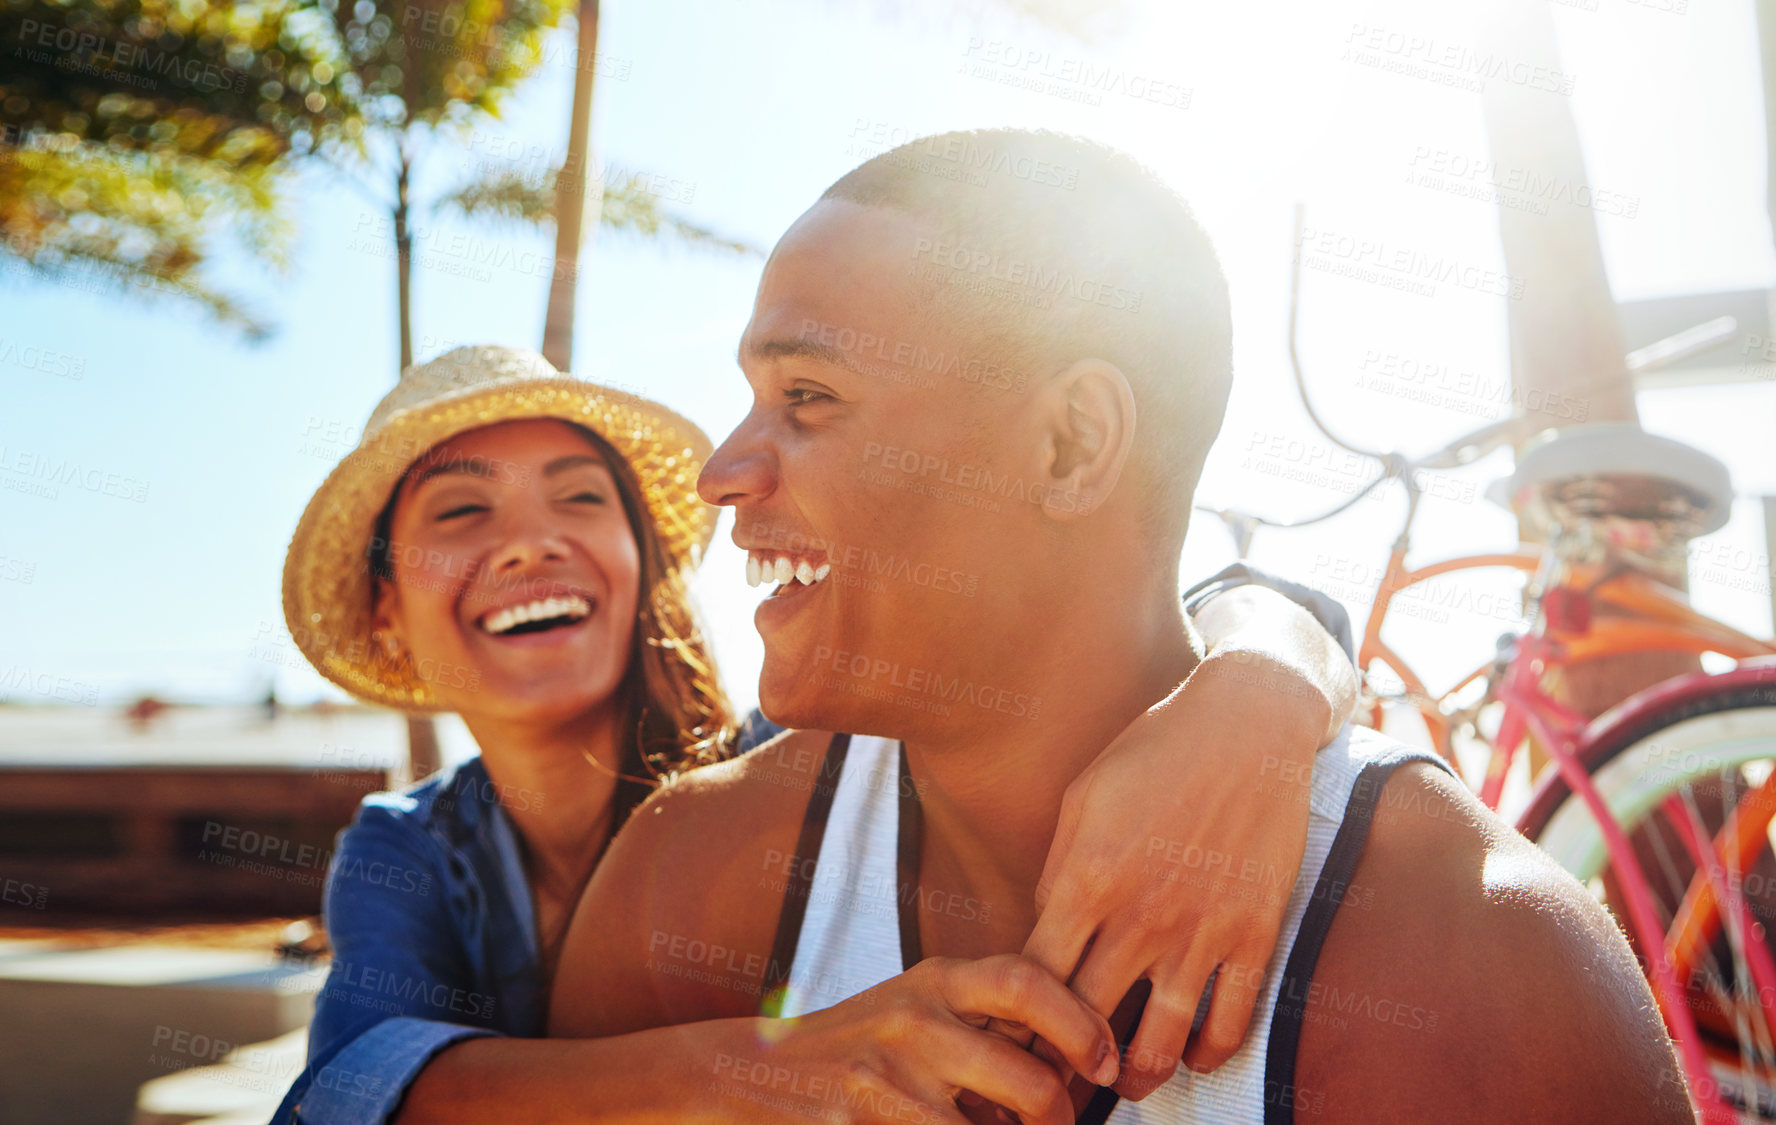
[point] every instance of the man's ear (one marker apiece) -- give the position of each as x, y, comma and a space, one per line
1090, 415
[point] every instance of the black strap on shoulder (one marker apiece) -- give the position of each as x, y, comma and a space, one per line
910, 834
801, 874
1290, 1006
910, 837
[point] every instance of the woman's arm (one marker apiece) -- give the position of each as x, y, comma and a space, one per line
1177, 849
897, 1053
644, 1076
1274, 646
395, 994
398, 1033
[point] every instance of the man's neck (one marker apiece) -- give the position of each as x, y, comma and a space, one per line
991, 793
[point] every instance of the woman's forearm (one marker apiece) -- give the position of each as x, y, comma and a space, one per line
667, 1074
1262, 637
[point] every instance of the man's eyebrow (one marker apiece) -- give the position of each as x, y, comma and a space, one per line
801, 349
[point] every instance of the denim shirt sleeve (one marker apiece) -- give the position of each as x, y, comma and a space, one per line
1326, 610
393, 997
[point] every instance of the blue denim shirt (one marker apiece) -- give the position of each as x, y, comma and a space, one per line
429, 912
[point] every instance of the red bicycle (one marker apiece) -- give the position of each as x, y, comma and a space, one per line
1663, 805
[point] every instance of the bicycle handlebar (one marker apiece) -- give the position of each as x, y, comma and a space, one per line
1464, 450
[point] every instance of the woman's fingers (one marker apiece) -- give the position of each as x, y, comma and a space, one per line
1111, 967
1166, 1021
962, 1057
1178, 975
1062, 935
1068, 901
1017, 990
1109, 971
1230, 1010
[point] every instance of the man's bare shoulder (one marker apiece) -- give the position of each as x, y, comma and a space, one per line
1465, 968
678, 921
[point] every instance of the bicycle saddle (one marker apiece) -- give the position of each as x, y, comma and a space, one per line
1617, 469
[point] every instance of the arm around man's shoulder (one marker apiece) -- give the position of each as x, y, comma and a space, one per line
1467, 977
678, 922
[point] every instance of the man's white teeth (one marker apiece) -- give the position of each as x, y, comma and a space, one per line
571, 606
782, 571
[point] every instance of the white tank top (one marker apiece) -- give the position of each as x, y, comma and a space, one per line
849, 938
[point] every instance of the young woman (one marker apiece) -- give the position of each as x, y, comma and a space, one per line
512, 545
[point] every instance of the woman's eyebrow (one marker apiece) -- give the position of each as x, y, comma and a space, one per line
486, 467
471, 466
573, 461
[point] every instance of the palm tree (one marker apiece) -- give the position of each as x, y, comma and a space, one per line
565, 197
131, 134
571, 197
80, 214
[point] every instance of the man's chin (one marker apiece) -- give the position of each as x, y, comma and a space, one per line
802, 703
795, 693
792, 705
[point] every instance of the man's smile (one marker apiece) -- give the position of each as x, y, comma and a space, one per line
785, 568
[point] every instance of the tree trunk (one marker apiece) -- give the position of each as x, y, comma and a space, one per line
1568, 356
574, 198
404, 264
1566, 337
422, 734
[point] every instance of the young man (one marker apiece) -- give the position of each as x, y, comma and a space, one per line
1022, 378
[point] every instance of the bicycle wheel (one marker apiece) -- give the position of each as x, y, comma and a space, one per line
1695, 762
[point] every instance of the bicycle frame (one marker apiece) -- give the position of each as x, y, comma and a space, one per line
1644, 616
1648, 616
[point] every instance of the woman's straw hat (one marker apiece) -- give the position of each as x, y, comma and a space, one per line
327, 577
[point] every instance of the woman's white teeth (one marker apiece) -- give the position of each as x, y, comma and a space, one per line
782, 571
542, 609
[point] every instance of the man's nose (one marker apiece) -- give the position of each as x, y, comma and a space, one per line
743, 467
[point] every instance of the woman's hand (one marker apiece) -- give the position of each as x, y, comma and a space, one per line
1177, 849
904, 1050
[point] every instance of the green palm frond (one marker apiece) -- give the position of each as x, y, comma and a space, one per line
89, 216
631, 205
508, 195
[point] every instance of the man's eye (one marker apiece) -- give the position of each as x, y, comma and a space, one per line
460, 510
803, 396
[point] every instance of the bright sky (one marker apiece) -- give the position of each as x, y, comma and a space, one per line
753, 109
